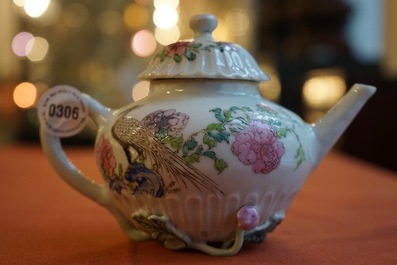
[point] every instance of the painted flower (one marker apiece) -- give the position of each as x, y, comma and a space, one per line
177, 48
167, 122
105, 158
259, 147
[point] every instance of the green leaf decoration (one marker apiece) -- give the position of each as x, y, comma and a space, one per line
234, 130
266, 110
209, 141
234, 109
243, 120
161, 134
177, 58
190, 55
274, 122
216, 127
196, 45
246, 109
218, 114
281, 132
220, 47
220, 136
300, 156
228, 115
199, 149
191, 144
175, 142
220, 165
193, 158
210, 154
185, 150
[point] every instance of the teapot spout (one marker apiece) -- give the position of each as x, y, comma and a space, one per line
329, 128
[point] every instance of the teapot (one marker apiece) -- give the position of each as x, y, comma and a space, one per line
203, 161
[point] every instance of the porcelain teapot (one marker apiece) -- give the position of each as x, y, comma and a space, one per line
203, 161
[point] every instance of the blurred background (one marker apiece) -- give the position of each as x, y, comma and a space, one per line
314, 50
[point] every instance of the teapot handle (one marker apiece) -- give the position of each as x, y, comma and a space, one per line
74, 177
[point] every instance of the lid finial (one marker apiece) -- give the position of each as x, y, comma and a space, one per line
203, 25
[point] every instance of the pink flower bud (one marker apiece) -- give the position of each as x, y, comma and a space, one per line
247, 217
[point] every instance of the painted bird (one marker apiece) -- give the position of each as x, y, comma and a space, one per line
131, 133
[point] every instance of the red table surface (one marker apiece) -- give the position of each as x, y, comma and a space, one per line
345, 214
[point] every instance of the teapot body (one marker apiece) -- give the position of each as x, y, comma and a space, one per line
197, 151
203, 161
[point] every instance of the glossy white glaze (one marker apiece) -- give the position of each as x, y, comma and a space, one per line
184, 160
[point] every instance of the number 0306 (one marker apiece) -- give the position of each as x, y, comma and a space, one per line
62, 111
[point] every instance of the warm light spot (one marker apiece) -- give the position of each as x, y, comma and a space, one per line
221, 32
75, 15
20, 42
237, 21
19, 3
167, 36
143, 43
271, 89
38, 48
172, 3
135, 16
165, 17
35, 8
323, 89
140, 90
110, 22
25, 95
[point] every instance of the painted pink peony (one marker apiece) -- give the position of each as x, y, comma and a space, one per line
177, 48
105, 158
259, 147
168, 120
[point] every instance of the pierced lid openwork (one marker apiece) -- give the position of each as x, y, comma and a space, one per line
203, 57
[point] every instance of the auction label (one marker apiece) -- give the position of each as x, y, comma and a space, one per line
62, 111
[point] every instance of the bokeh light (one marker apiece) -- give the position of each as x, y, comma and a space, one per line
221, 31
167, 36
20, 42
165, 17
140, 90
25, 95
135, 16
237, 21
323, 89
35, 8
172, 3
110, 22
19, 3
270, 89
143, 43
38, 48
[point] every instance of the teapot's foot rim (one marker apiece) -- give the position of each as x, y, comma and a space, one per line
161, 229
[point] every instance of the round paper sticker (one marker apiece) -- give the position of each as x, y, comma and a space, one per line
62, 111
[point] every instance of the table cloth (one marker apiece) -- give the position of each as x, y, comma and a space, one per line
346, 213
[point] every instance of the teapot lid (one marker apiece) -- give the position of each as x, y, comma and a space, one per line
203, 57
